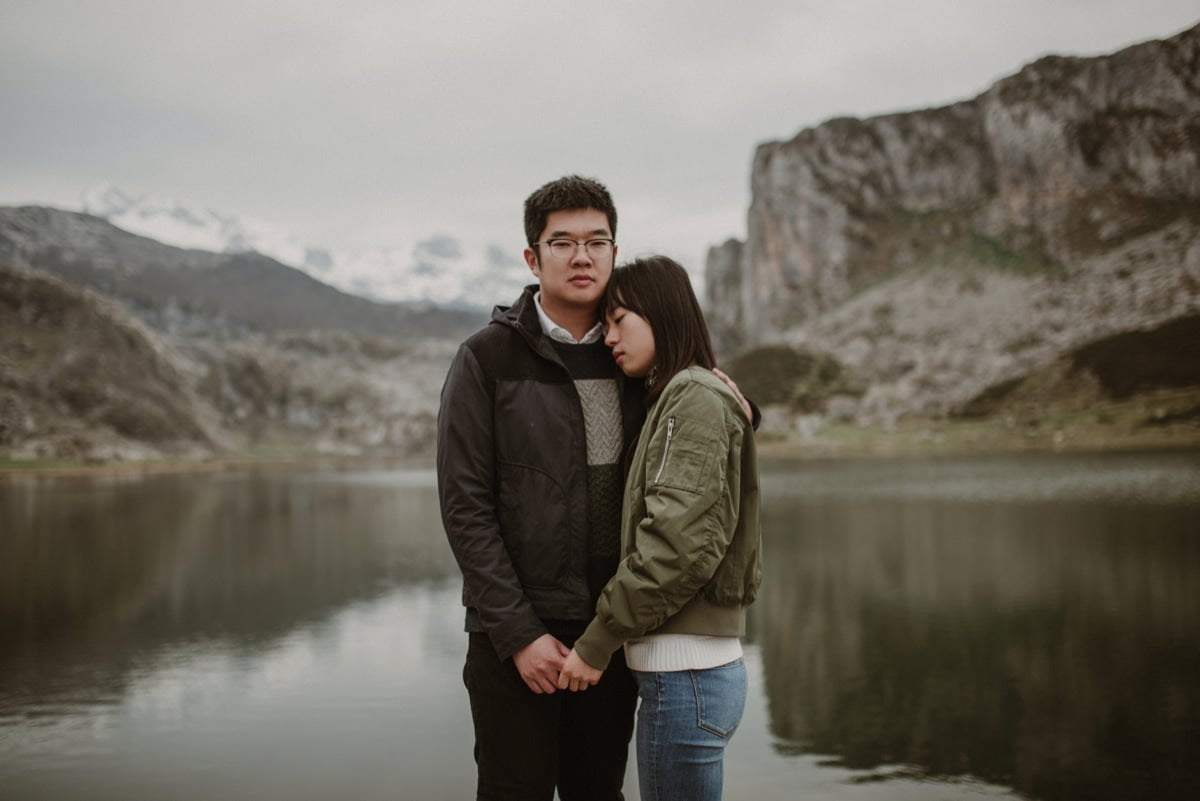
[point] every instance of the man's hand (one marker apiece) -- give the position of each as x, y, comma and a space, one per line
539, 663
576, 674
737, 393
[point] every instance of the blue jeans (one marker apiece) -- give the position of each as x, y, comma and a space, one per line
685, 720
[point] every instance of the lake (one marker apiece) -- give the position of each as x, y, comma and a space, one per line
1016, 626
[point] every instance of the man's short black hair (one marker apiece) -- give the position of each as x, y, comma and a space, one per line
565, 194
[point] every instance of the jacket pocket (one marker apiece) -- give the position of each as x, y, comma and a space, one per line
686, 456
535, 525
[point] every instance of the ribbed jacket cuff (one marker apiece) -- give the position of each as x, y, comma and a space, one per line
597, 644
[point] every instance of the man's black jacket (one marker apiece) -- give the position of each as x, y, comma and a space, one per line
512, 477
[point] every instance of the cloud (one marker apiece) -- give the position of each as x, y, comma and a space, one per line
499, 257
440, 247
375, 124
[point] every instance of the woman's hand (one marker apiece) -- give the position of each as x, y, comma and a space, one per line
576, 674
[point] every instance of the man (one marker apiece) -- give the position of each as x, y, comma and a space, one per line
534, 419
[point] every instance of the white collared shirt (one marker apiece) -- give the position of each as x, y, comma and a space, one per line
557, 332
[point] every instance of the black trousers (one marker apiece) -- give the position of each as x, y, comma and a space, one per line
528, 744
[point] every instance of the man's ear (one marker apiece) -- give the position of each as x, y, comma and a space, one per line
532, 260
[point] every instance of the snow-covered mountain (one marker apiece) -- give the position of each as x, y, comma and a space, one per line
439, 269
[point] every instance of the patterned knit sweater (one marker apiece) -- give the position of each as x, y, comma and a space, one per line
591, 370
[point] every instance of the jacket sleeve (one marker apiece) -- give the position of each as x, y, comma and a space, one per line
466, 470
685, 531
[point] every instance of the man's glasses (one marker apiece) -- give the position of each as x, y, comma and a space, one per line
567, 248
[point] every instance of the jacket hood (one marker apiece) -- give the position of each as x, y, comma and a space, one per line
521, 315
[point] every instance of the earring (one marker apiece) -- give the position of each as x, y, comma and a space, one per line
651, 376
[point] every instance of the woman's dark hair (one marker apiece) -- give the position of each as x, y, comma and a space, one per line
658, 290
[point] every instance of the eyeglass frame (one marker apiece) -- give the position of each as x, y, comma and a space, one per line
612, 243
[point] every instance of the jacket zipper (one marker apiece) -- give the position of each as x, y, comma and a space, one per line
666, 448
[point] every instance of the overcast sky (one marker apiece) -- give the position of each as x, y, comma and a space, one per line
363, 123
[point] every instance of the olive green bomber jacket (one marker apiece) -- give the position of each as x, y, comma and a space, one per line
690, 541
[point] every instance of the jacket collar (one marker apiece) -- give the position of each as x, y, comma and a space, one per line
523, 318
522, 314
518, 316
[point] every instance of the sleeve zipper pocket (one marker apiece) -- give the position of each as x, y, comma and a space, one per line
666, 448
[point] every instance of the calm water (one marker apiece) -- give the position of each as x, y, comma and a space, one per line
1006, 627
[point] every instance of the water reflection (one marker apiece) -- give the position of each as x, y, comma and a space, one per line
100, 575
945, 628
1044, 641
333, 708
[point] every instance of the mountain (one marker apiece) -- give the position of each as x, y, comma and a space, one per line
202, 293
940, 256
82, 378
437, 269
117, 347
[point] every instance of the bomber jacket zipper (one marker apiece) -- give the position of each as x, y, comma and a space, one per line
666, 448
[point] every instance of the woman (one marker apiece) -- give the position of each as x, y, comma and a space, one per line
689, 540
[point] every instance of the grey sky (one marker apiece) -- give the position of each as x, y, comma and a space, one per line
366, 123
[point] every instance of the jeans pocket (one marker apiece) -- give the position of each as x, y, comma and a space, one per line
720, 697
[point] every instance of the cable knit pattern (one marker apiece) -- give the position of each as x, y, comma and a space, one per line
591, 370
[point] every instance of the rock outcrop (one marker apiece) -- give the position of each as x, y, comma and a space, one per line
943, 251
723, 281
81, 378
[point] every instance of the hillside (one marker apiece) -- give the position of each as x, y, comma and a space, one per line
118, 347
82, 379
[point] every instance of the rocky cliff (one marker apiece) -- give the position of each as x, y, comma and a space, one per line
938, 253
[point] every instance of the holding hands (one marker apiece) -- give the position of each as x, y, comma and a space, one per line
545, 665
576, 674
539, 663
